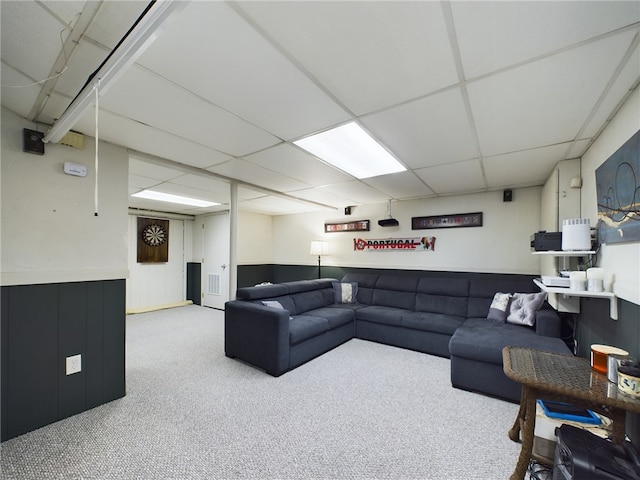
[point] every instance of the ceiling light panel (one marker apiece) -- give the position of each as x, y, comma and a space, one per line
368, 54
352, 150
170, 198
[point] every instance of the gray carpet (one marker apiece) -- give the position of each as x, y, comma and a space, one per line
361, 411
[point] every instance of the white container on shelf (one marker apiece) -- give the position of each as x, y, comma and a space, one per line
576, 234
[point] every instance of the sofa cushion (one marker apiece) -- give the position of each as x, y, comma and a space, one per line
366, 283
483, 341
305, 301
396, 291
381, 314
336, 317
499, 307
304, 327
523, 307
432, 322
481, 292
261, 291
345, 292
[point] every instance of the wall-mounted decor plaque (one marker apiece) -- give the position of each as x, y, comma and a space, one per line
447, 221
357, 226
153, 240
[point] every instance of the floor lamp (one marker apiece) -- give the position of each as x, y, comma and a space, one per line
319, 248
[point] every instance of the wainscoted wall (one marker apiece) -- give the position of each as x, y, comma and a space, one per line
41, 326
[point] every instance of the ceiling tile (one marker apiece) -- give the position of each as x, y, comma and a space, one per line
429, 131
400, 186
579, 148
323, 196
136, 136
295, 163
137, 182
545, 102
368, 54
494, 35
34, 53
247, 172
86, 58
454, 178
357, 193
152, 100
18, 93
274, 205
230, 56
628, 78
529, 167
113, 20
151, 170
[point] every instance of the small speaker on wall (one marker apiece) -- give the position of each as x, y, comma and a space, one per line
507, 195
347, 210
32, 141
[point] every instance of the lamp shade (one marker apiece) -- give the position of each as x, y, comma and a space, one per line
319, 247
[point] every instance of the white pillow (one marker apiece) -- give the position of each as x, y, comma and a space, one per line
524, 306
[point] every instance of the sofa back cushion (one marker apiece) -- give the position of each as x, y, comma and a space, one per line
262, 291
395, 291
366, 284
482, 291
448, 296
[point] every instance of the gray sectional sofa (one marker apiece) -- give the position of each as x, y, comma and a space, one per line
278, 327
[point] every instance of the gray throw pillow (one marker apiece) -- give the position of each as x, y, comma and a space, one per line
345, 292
524, 306
499, 307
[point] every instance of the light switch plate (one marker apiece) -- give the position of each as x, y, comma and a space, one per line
74, 364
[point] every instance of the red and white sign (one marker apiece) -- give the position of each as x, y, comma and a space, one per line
394, 244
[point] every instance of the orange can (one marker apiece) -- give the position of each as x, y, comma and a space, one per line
600, 354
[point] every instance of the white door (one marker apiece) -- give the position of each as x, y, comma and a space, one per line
215, 263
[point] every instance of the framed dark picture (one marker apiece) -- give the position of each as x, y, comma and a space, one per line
357, 226
447, 221
618, 190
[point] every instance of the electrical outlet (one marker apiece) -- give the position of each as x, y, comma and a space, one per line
74, 364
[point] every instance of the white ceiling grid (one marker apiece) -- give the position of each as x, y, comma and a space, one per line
469, 96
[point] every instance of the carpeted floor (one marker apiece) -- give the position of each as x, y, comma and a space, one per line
361, 411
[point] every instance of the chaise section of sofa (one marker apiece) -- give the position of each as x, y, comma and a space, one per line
476, 346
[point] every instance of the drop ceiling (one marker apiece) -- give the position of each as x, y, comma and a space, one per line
469, 96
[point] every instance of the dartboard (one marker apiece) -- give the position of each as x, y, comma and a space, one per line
154, 235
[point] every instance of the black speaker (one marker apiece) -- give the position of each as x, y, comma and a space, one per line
32, 141
507, 195
347, 210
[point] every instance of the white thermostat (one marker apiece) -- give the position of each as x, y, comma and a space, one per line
76, 169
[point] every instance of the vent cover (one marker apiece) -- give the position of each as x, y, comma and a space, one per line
213, 284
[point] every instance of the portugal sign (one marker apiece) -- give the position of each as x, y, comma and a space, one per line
394, 244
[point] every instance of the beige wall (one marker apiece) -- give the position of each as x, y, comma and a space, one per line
49, 232
501, 245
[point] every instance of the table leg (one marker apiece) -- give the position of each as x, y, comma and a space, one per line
618, 418
529, 396
514, 432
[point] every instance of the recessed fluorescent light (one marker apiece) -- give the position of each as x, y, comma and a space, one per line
167, 197
352, 150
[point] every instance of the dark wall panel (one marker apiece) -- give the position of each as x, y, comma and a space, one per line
94, 364
42, 325
114, 339
72, 310
4, 359
194, 280
32, 386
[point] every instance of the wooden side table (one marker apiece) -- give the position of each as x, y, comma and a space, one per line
563, 378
